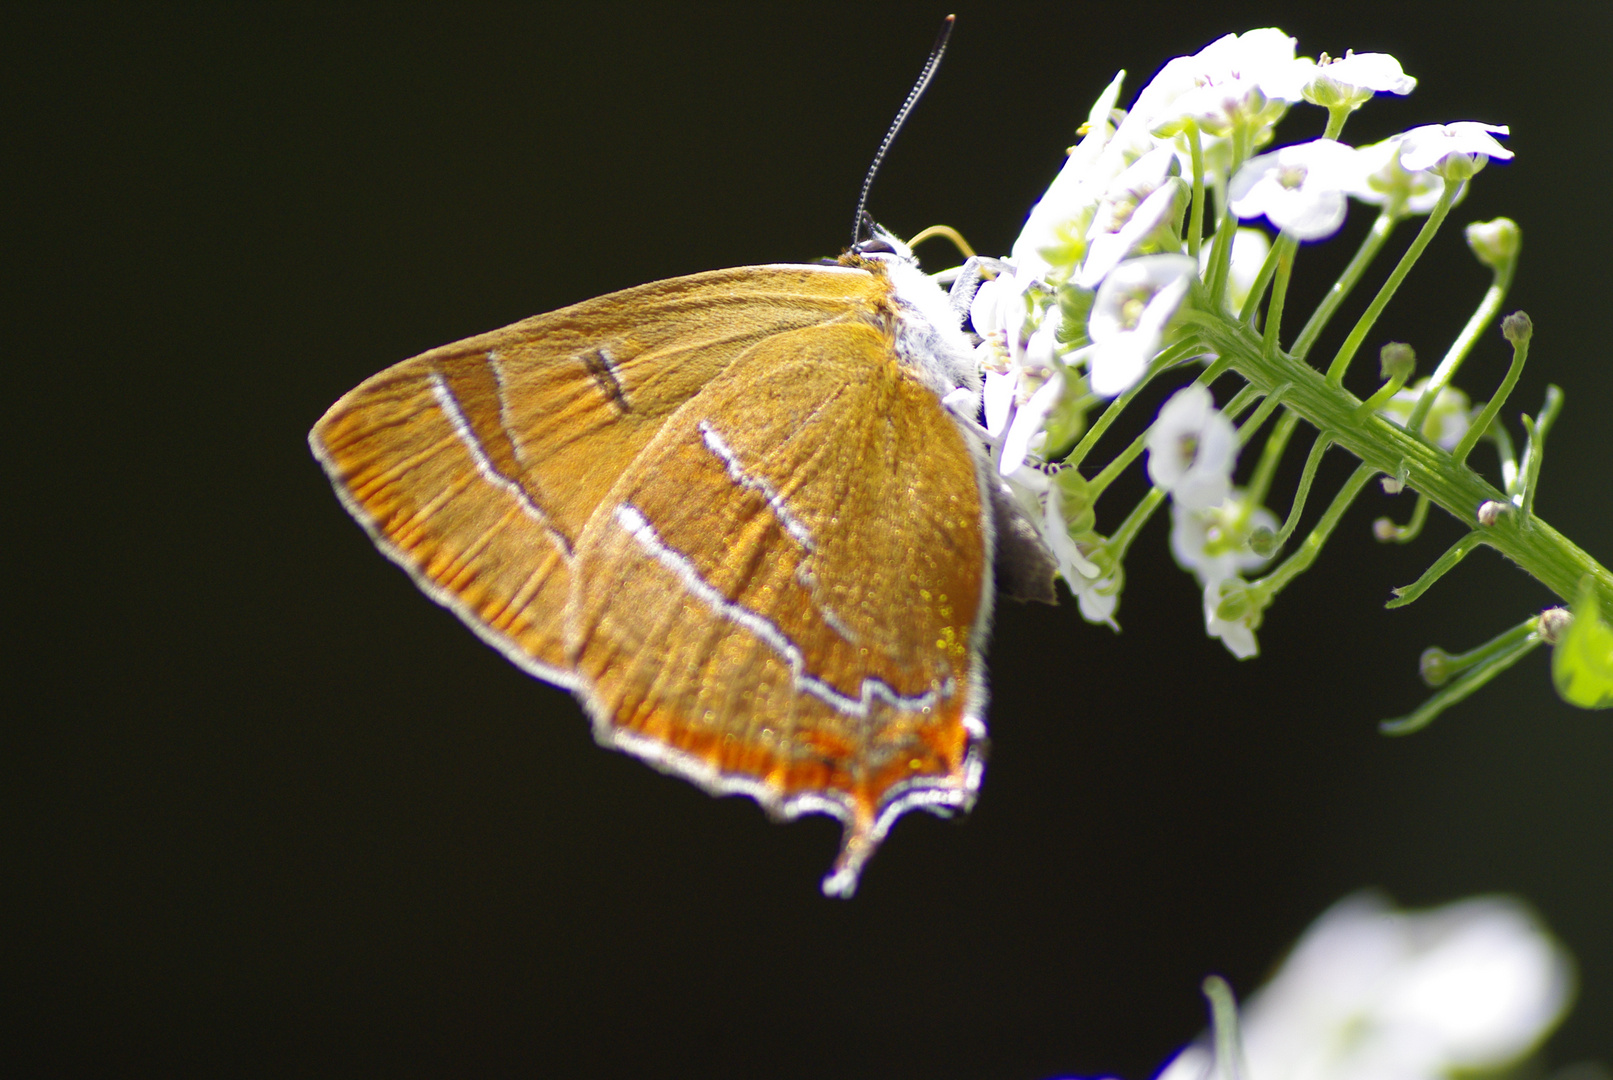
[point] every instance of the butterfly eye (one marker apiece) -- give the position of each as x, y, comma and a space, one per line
875, 246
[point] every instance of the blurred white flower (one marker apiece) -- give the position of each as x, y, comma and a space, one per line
1353, 78
1213, 543
1454, 151
1494, 243
1382, 178
1128, 318
1447, 421
1192, 448
1238, 634
1370, 993
1299, 189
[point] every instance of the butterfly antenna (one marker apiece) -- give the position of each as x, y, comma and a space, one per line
913, 96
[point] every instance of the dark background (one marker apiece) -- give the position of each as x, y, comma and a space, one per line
267, 809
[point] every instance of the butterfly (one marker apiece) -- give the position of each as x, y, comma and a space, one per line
732, 514
746, 516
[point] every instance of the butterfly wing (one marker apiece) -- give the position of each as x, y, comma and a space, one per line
476, 466
812, 523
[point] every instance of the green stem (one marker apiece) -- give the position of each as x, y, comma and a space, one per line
1120, 542
1220, 258
1301, 560
1195, 224
1483, 316
1171, 356
1440, 667
1541, 551
1251, 303
1386, 529
1270, 456
1111, 471
1381, 228
1442, 566
1363, 325
1535, 450
1224, 1022
1385, 392
1501, 654
1520, 353
1336, 115
1247, 430
1306, 478
1506, 456
1279, 292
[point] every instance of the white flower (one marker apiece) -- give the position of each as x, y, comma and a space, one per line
1021, 383
1142, 207
1454, 151
1354, 78
1238, 635
1027, 424
1155, 225
1213, 543
1447, 421
1192, 448
1097, 599
1381, 177
1096, 594
1374, 994
1128, 318
1265, 55
1239, 81
1240, 78
998, 397
1494, 243
1125, 192
1051, 230
1299, 189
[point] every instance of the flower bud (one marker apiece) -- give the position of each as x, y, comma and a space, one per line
1552, 624
1434, 666
1235, 604
1263, 542
1495, 243
1396, 361
1517, 327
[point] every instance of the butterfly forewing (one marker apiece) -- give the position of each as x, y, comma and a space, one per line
476, 465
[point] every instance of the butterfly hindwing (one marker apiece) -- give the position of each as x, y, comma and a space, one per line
814, 519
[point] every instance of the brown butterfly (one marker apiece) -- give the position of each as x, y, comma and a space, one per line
731, 513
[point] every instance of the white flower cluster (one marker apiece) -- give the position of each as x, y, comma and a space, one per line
1370, 993
1192, 449
1103, 269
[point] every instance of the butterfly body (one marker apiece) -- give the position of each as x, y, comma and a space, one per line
729, 511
